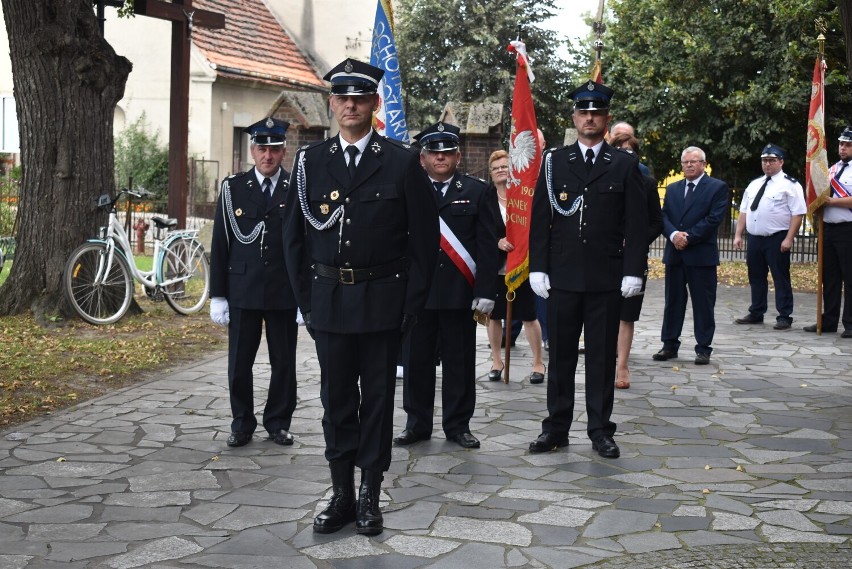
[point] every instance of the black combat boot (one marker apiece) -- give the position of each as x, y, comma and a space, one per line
368, 519
341, 507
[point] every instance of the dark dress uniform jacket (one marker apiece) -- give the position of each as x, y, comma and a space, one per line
388, 216
606, 238
464, 208
251, 276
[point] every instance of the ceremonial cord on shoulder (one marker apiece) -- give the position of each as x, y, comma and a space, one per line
301, 186
548, 169
228, 205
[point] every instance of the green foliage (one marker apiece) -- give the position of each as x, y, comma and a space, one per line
139, 154
10, 193
455, 50
726, 75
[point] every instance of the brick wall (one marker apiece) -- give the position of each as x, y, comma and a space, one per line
476, 148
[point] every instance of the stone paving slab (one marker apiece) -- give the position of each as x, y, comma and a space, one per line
744, 463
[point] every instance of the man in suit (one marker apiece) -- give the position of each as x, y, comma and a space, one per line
837, 235
771, 210
250, 288
587, 250
463, 281
692, 211
360, 241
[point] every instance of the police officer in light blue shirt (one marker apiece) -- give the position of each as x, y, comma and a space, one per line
771, 211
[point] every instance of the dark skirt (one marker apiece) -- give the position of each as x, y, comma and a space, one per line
631, 307
523, 306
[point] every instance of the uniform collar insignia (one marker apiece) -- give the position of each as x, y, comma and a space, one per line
376, 147
458, 184
333, 148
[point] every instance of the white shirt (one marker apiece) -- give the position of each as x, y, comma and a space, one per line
782, 199
840, 214
361, 145
273, 179
596, 149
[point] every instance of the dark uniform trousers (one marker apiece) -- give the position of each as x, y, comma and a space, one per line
837, 275
764, 256
457, 331
586, 255
255, 282
344, 358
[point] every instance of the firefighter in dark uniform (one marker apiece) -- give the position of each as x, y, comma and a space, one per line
360, 242
249, 286
463, 282
588, 243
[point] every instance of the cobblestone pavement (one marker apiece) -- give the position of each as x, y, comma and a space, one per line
744, 463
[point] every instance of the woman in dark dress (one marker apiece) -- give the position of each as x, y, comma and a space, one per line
523, 306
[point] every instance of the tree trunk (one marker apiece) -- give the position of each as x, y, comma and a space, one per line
846, 22
67, 81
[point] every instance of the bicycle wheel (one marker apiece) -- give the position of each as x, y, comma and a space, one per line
183, 262
97, 298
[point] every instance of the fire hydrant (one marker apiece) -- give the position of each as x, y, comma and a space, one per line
141, 226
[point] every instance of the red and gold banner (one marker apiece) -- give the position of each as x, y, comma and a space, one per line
524, 162
816, 170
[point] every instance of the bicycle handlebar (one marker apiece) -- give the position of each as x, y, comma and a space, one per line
104, 200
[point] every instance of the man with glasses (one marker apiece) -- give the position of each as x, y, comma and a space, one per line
360, 238
692, 211
771, 211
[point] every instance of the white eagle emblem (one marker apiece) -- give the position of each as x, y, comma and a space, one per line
521, 154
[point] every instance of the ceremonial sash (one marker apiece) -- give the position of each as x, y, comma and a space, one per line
454, 249
841, 190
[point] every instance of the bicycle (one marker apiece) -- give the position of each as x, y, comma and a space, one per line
99, 275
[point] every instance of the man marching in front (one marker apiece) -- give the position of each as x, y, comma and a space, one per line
588, 244
360, 241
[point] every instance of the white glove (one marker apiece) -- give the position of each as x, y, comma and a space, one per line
219, 310
631, 286
483, 305
540, 284
299, 320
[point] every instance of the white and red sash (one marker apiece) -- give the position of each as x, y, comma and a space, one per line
453, 247
839, 189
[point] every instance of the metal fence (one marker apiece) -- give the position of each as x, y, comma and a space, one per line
804, 249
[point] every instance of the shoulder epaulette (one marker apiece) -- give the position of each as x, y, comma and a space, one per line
474, 178
791, 178
312, 144
398, 142
237, 175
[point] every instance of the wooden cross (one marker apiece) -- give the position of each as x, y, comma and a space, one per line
184, 18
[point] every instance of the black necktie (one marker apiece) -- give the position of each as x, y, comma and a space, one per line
839, 172
690, 190
352, 151
590, 159
759, 195
267, 190
439, 187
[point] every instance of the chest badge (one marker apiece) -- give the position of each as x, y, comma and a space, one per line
334, 195
238, 212
563, 196
324, 209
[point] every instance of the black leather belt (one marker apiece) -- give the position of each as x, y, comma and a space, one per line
352, 276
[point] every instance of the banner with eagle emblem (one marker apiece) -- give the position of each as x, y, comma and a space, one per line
524, 162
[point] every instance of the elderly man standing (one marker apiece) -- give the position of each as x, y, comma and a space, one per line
360, 240
588, 246
771, 211
692, 211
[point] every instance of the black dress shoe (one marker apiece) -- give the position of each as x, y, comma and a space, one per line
495, 374
536, 377
665, 354
281, 437
606, 447
782, 325
465, 440
702, 359
812, 328
408, 437
846, 333
239, 439
547, 442
749, 319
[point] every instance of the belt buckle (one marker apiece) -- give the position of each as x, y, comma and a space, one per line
347, 276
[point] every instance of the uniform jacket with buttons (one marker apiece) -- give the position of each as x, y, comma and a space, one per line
606, 237
251, 276
389, 216
700, 219
464, 208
